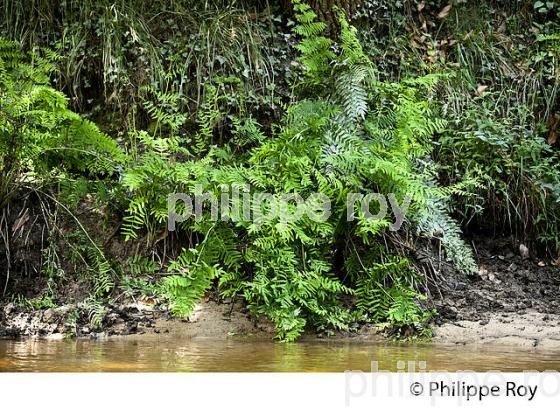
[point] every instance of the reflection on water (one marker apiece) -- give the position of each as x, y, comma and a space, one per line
209, 355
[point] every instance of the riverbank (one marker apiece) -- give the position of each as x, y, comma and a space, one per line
528, 330
513, 300
210, 319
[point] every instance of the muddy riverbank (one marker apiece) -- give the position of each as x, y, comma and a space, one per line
513, 300
530, 329
210, 319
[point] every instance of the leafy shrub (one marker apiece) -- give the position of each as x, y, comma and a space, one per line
348, 132
518, 174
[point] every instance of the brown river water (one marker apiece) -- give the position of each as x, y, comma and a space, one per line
171, 354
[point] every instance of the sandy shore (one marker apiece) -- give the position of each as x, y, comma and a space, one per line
529, 330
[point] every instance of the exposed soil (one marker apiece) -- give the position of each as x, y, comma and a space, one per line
529, 329
210, 319
25, 239
514, 300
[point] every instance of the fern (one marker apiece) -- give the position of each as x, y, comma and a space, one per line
316, 49
39, 133
435, 222
349, 132
94, 311
197, 268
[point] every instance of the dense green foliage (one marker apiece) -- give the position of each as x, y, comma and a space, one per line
117, 54
363, 137
43, 143
40, 136
271, 105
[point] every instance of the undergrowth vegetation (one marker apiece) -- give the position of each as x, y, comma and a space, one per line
453, 119
44, 144
177, 47
345, 132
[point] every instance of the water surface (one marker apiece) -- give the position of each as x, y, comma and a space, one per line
170, 354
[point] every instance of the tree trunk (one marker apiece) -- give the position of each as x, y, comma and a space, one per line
325, 12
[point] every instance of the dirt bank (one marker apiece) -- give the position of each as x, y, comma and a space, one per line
514, 299
529, 329
210, 319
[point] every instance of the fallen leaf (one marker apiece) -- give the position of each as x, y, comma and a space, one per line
421, 6
444, 12
423, 22
481, 88
101, 210
552, 137
552, 124
502, 28
492, 278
